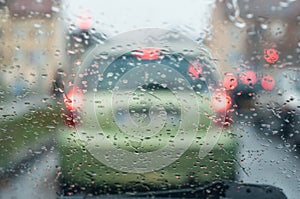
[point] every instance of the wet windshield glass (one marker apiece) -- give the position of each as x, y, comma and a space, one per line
180, 99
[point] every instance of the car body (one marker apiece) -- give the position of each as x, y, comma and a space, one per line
123, 91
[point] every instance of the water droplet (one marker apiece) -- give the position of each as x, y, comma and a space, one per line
55, 9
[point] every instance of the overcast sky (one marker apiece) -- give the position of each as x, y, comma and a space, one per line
116, 16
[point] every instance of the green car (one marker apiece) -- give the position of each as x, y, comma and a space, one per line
145, 115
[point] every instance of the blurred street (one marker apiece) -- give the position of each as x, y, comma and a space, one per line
268, 161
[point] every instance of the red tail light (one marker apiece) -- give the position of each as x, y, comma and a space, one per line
149, 53
85, 21
230, 82
73, 102
267, 82
271, 55
220, 101
74, 99
248, 78
195, 70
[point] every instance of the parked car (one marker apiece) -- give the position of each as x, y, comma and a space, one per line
144, 115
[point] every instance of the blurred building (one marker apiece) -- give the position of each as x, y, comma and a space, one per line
227, 40
242, 31
31, 45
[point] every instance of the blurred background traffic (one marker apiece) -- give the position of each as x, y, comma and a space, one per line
256, 43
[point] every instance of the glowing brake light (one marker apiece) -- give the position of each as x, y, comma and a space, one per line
74, 99
85, 21
248, 77
271, 55
195, 70
220, 101
148, 53
230, 82
267, 82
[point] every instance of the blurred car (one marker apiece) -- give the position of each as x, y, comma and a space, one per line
131, 98
278, 109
